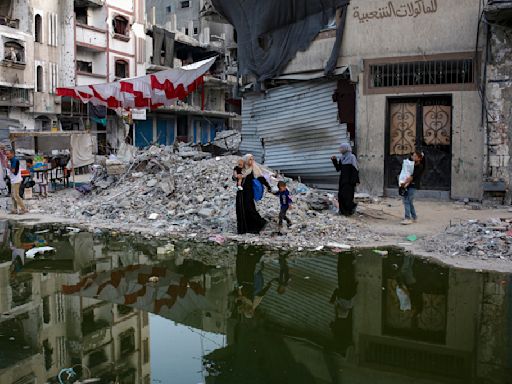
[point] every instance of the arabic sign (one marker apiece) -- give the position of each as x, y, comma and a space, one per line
392, 9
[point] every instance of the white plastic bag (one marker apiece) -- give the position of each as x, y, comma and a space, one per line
407, 170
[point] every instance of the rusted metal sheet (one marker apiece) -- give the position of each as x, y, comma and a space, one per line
299, 127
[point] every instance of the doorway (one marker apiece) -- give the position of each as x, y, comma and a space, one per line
423, 124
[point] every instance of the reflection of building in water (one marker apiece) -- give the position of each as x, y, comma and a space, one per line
43, 331
456, 324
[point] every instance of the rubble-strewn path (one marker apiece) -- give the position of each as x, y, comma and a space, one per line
163, 194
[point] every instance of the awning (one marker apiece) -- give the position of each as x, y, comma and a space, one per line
144, 92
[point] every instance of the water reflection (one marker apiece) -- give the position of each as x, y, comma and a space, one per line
263, 317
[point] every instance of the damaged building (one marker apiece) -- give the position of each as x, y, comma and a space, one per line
109, 45
317, 75
497, 32
178, 36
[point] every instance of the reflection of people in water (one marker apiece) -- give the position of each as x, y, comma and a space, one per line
18, 252
407, 291
343, 300
284, 274
251, 284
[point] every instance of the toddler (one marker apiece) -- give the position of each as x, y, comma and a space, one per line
237, 174
285, 200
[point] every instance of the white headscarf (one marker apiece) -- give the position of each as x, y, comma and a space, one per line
255, 168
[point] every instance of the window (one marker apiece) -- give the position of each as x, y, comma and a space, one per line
185, 4
48, 354
145, 351
38, 29
84, 66
123, 310
54, 70
53, 27
81, 15
121, 69
186, 31
195, 30
127, 342
424, 73
96, 358
39, 78
14, 52
120, 24
46, 310
168, 9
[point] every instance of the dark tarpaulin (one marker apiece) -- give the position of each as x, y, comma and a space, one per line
163, 39
270, 32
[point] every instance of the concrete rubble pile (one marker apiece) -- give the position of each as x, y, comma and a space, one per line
491, 239
166, 190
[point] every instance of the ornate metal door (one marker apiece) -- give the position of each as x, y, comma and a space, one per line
420, 124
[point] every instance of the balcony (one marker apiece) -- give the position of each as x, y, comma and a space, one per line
15, 97
91, 38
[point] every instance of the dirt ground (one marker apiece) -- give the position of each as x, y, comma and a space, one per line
382, 218
433, 217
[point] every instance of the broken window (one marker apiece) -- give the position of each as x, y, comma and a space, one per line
14, 52
39, 78
121, 69
120, 24
81, 15
38, 29
84, 66
185, 4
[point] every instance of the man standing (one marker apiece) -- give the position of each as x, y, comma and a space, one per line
14, 173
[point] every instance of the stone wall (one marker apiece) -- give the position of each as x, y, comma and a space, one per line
499, 107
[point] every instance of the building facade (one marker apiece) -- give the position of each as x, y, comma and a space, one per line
179, 35
397, 90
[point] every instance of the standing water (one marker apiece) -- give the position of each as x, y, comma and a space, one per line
109, 308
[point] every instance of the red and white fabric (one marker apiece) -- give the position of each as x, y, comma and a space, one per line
144, 92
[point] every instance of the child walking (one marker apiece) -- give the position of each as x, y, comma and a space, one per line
238, 174
286, 202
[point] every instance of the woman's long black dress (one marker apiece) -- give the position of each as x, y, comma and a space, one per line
349, 178
247, 217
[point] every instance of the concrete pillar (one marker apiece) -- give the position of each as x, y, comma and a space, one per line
67, 43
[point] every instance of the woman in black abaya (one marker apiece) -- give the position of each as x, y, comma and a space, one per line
247, 217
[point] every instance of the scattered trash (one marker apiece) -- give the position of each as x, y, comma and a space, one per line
381, 253
153, 216
219, 239
41, 232
339, 246
166, 249
482, 239
31, 253
12, 338
154, 279
319, 248
73, 229
412, 238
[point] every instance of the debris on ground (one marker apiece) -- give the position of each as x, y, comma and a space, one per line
183, 190
487, 239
